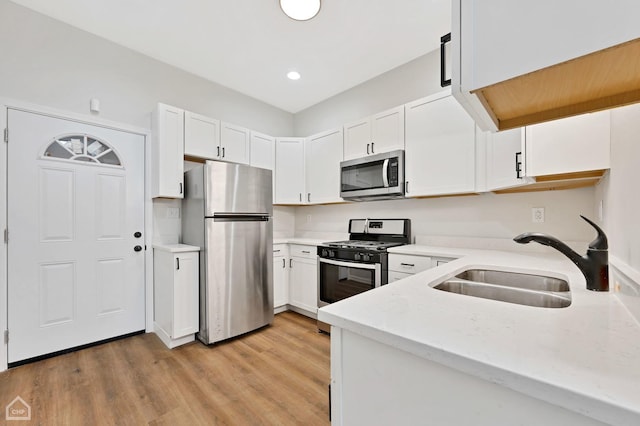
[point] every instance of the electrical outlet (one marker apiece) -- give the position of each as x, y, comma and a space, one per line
173, 213
308, 218
537, 214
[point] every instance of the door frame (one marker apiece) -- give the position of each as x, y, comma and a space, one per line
5, 105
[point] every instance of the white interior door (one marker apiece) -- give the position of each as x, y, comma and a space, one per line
75, 206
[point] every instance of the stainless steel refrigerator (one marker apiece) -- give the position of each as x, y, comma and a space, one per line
227, 211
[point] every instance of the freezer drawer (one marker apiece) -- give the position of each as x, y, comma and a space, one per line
236, 188
238, 287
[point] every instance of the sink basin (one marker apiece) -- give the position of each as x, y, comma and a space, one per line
511, 287
515, 279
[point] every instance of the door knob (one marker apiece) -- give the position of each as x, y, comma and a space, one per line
137, 248
137, 234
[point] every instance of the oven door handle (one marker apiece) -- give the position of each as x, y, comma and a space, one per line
349, 264
385, 173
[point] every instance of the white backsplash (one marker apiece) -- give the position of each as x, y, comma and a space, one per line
505, 244
625, 282
166, 229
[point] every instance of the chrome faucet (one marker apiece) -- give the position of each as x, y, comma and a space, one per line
594, 265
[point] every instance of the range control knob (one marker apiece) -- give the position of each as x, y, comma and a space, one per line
325, 253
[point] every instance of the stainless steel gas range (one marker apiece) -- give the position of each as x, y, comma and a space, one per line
347, 268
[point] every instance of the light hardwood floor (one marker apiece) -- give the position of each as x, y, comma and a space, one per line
278, 375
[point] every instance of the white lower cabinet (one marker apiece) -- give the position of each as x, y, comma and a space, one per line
303, 278
280, 277
366, 375
175, 293
404, 265
295, 278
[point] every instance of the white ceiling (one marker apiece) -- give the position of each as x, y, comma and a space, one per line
250, 45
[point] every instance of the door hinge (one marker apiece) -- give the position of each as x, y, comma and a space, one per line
6, 336
6, 134
6, 236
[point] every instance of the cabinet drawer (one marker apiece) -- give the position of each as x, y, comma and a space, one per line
408, 264
396, 276
303, 251
280, 250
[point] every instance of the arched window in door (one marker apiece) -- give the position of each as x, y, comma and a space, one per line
82, 147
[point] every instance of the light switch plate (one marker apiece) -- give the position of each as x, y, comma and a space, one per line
537, 214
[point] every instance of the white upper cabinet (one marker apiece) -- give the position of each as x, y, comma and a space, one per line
570, 145
504, 50
167, 152
505, 160
201, 135
290, 186
323, 153
381, 132
440, 154
235, 143
263, 151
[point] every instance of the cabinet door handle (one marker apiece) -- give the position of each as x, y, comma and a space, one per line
367, 149
306, 251
223, 152
308, 197
284, 263
300, 196
443, 41
290, 263
276, 251
218, 147
177, 263
180, 187
406, 187
408, 264
372, 151
518, 165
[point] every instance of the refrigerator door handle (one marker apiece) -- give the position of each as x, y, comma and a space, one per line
225, 217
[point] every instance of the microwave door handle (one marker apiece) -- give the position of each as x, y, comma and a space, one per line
385, 173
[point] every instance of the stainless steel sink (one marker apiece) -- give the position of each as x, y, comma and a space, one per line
511, 287
514, 279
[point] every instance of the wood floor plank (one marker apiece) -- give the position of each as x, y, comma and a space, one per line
275, 376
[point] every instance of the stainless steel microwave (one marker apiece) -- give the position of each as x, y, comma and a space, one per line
374, 177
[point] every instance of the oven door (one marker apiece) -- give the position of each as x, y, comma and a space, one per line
338, 279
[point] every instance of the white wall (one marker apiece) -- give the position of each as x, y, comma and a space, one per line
50, 63
485, 215
619, 189
53, 64
408, 82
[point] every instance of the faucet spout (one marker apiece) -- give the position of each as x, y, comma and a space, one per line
594, 265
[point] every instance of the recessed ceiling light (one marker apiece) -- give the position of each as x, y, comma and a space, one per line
293, 75
300, 10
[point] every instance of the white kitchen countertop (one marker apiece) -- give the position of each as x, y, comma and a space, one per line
421, 250
176, 248
585, 357
303, 241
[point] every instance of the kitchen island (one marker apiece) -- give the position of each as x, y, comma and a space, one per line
407, 353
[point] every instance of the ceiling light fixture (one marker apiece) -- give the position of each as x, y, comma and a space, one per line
293, 75
300, 10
